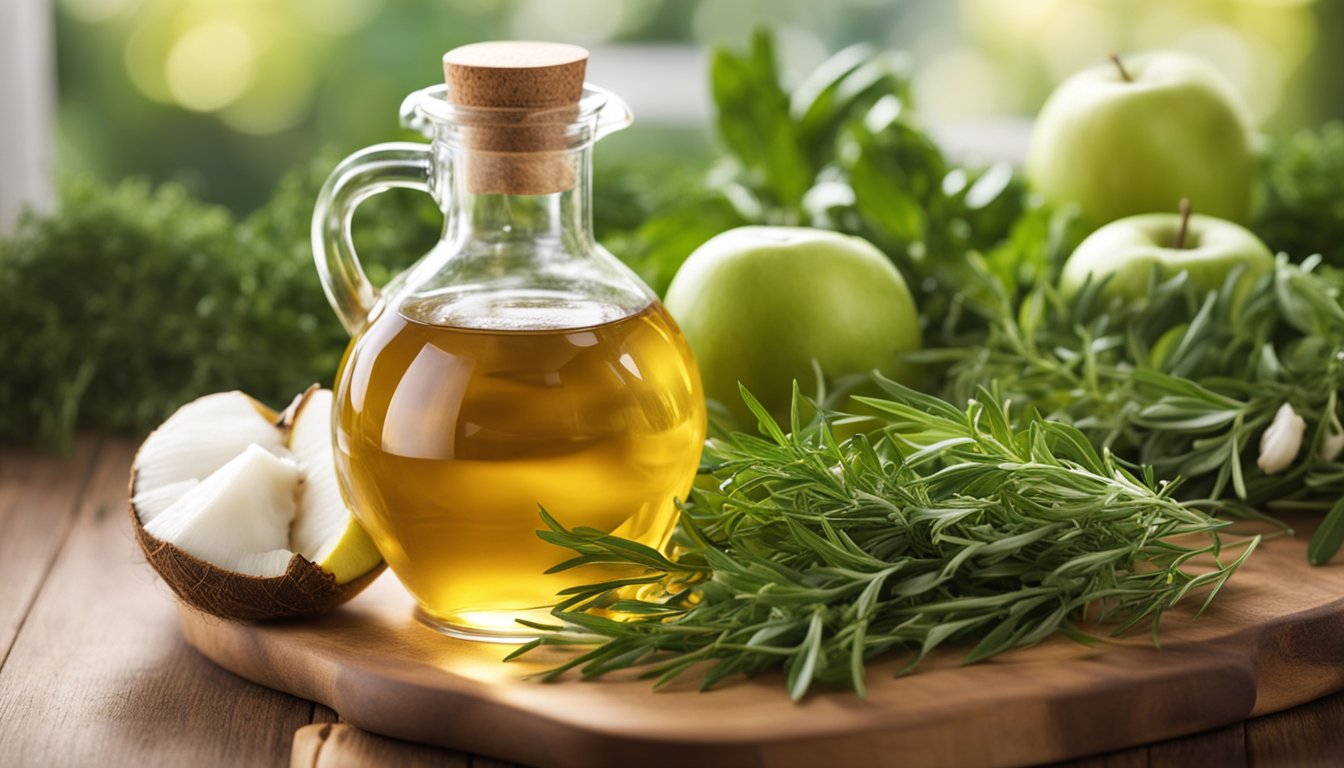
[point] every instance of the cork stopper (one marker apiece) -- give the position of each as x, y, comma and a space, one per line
523, 96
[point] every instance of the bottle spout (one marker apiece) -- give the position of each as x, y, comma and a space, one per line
615, 114
412, 116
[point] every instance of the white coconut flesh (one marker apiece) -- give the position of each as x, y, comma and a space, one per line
201, 437
238, 517
149, 504
218, 481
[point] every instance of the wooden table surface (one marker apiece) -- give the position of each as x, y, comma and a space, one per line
94, 672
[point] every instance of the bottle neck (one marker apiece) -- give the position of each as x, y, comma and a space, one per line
509, 260
483, 218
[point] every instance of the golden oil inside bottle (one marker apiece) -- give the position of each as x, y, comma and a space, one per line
453, 438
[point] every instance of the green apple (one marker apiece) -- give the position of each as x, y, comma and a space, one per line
759, 304
1136, 136
1134, 249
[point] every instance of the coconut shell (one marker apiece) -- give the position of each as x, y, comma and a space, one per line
303, 590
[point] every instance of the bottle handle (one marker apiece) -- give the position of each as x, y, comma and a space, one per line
367, 172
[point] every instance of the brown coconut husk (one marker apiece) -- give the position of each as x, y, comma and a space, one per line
303, 590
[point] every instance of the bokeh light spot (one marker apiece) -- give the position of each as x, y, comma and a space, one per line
144, 64
210, 66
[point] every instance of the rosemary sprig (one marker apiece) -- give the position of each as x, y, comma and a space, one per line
946, 525
1185, 381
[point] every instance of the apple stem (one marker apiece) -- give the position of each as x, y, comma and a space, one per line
1185, 223
1124, 73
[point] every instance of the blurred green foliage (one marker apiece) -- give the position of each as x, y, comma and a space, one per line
1302, 194
134, 299
122, 288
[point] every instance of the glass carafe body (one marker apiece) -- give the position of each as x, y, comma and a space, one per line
516, 367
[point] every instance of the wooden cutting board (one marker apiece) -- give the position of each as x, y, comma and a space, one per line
1273, 639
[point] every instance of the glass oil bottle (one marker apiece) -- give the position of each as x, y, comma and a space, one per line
518, 366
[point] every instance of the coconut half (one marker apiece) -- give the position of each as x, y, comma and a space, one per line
239, 510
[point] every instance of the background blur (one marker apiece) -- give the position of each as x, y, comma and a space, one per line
227, 96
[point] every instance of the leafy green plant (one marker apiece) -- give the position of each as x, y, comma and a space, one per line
947, 525
755, 124
841, 151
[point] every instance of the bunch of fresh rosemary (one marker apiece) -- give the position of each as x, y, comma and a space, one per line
944, 525
1185, 382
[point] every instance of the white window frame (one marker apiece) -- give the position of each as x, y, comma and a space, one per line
27, 108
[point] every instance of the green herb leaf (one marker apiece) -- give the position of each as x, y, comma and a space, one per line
1328, 537
754, 120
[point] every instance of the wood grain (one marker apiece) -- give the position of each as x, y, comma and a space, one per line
99, 676
39, 496
336, 745
1311, 735
1130, 758
1224, 747
324, 714
1259, 649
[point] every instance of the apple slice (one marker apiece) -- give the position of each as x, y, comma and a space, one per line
324, 530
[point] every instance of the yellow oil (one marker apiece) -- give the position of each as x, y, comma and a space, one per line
450, 439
